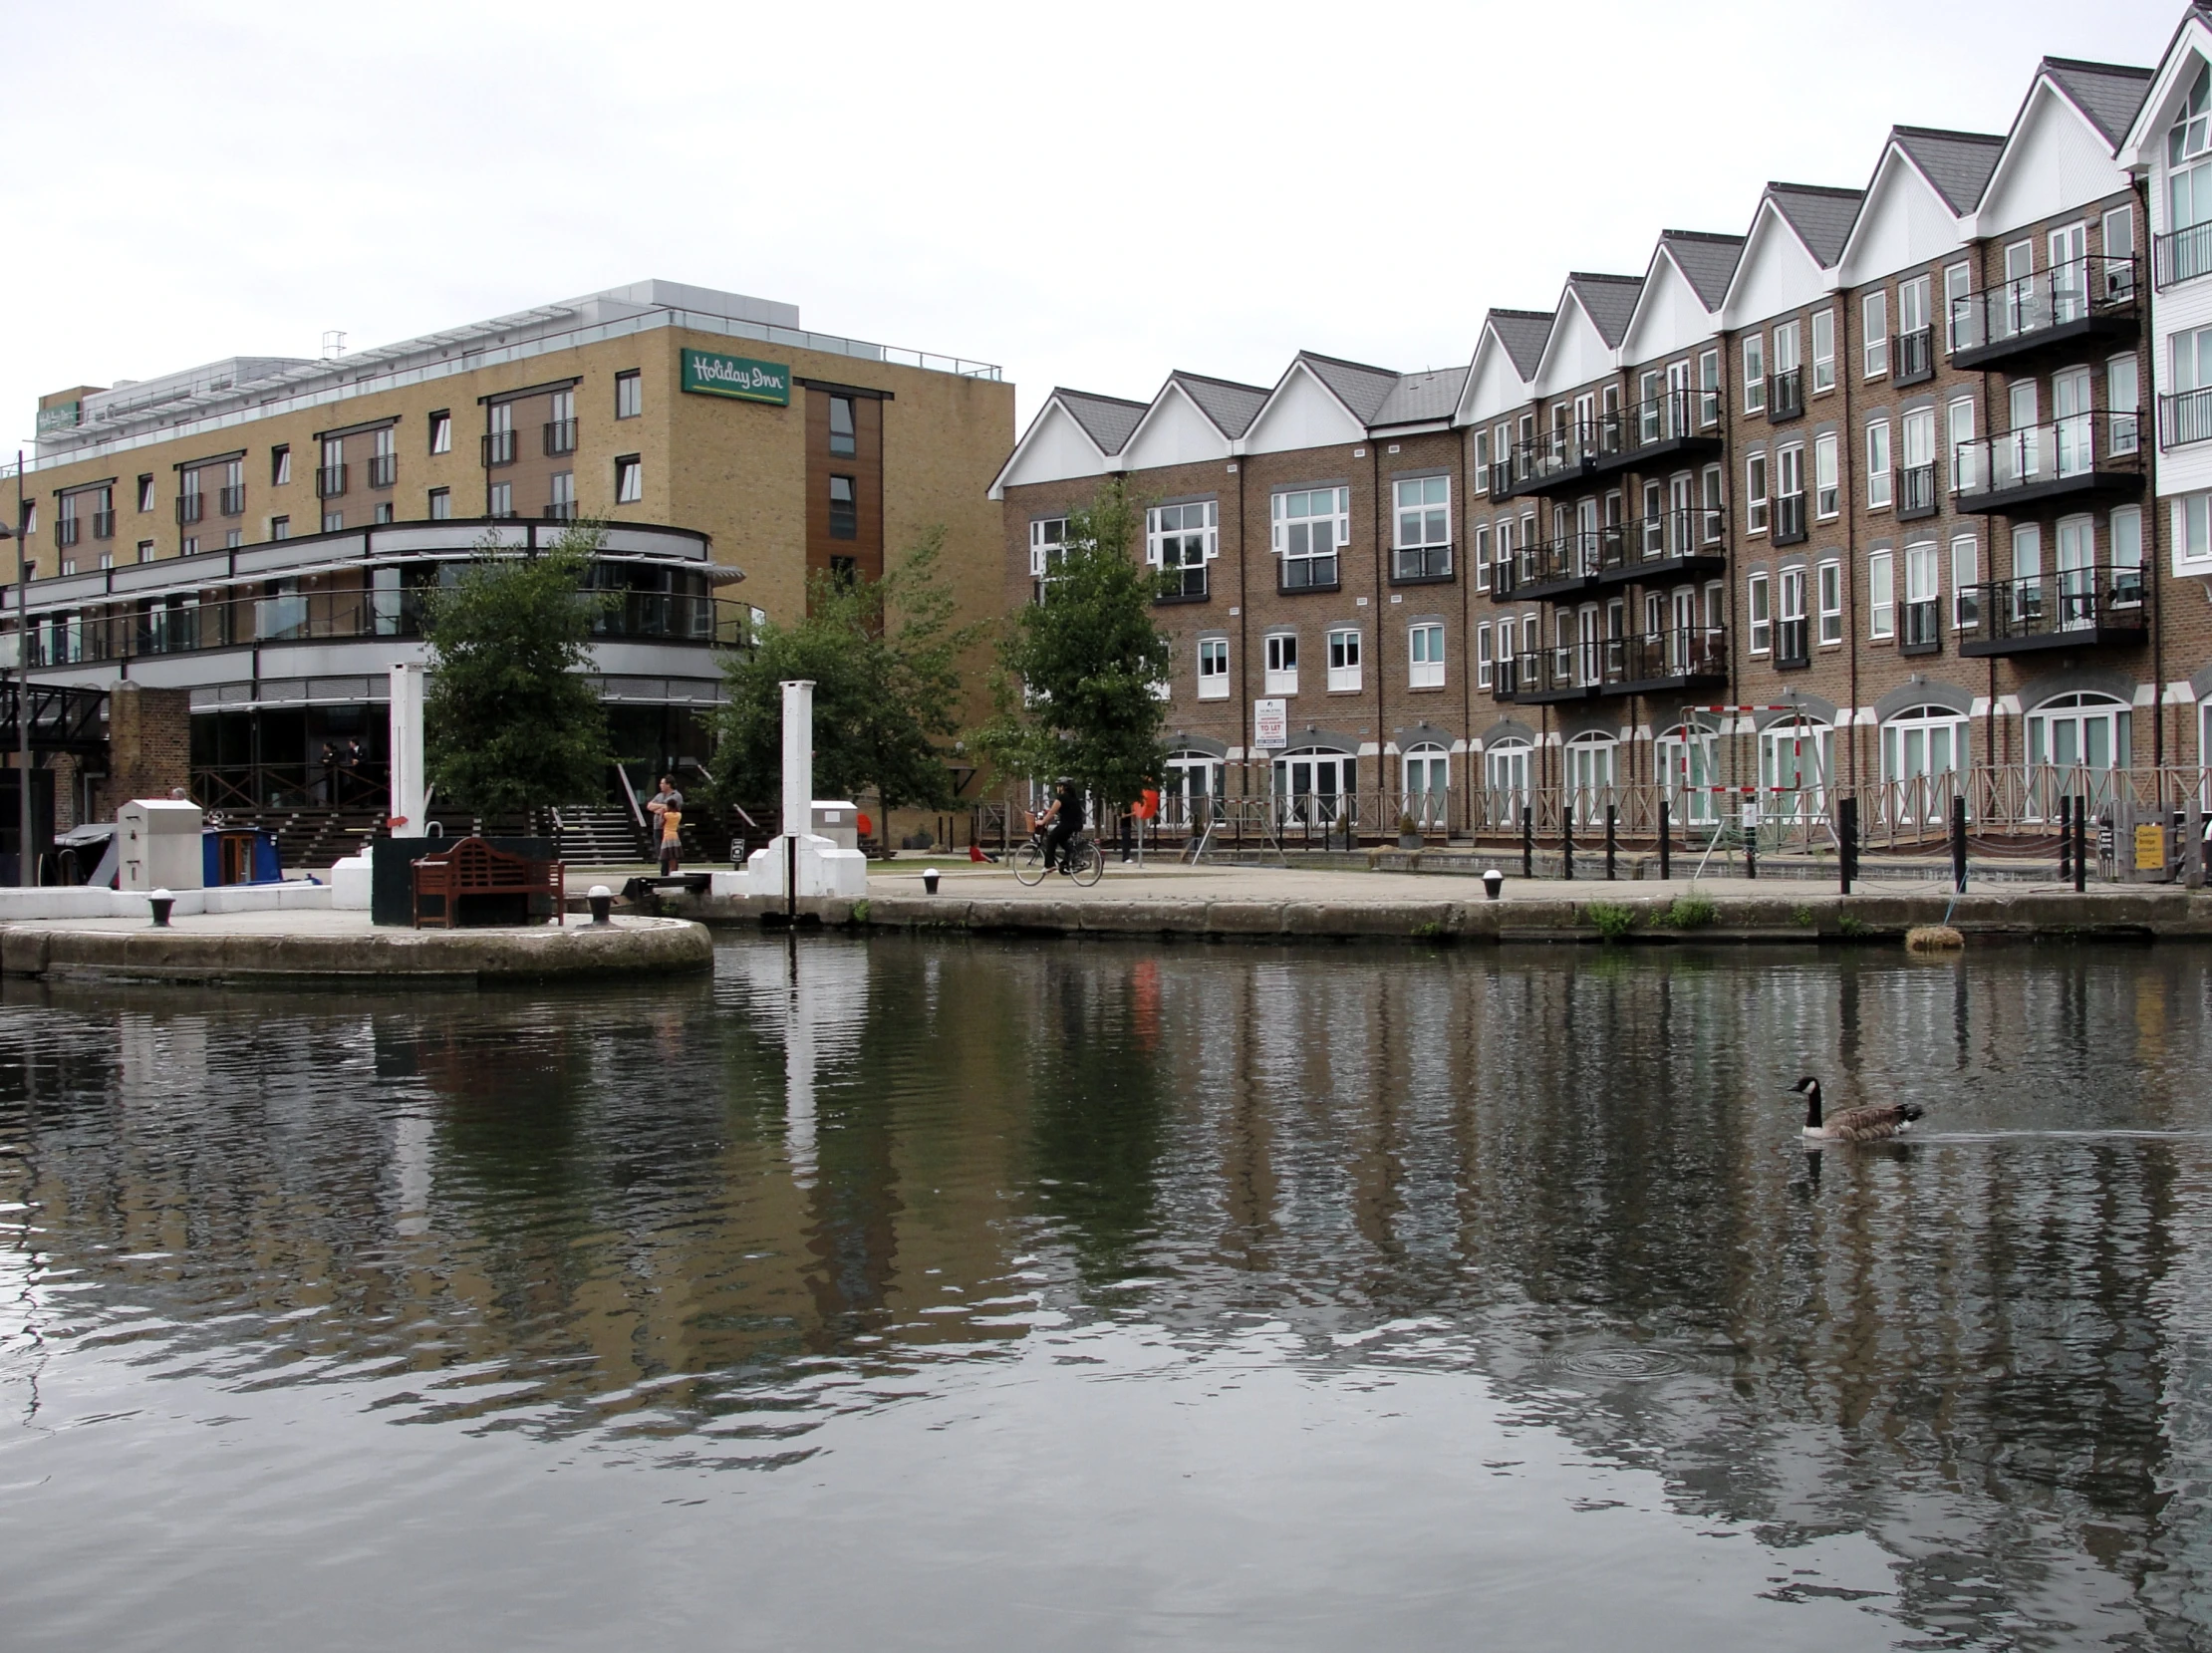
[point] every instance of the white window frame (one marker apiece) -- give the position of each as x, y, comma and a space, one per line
1343, 643
1481, 462
1212, 667
1829, 588
1881, 595
1879, 475
1828, 490
2124, 399
1762, 620
1188, 531
1755, 373
441, 432
1966, 576
1424, 655
1045, 545
1483, 656
1283, 526
1958, 286
1421, 517
2192, 533
1482, 556
1281, 663
1755, 492
1874, 312
628, 482
1824, 350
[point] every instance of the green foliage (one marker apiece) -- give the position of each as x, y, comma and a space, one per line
860, 910
1851, 924
1691, 913
1802, 914
1428, 929
1613, 921
884, 659
511, 719
1074, 692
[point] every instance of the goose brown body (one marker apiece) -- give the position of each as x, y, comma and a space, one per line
1876, 1123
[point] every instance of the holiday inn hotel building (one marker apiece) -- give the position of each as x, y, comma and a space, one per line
254, 532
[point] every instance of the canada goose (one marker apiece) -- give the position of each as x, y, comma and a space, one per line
1872, 1124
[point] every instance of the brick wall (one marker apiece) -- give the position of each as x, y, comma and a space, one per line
149, 746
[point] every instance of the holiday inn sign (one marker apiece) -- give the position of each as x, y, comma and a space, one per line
708, 373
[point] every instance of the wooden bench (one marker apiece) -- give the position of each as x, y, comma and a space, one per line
473, 867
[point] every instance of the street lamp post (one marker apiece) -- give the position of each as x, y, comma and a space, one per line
26, 865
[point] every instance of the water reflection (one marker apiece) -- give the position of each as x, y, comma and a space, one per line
1360, 1216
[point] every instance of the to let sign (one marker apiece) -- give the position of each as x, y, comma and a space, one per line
1270, 725
708, 373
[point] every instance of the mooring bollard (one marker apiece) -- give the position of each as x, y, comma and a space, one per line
1666, 858
161, 901
1494, 883
2065, 840
1612, 838
929, 879
1957, 845
2080, 845
1527, 841
1567, 841
1847, 840
600, 899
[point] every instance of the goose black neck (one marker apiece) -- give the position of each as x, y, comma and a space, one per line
1813, 1106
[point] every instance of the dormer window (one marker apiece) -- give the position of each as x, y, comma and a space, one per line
2192, 132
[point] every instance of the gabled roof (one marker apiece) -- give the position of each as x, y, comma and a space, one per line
1230, 405
1706, 260
1821, 215
1420, 396
1522, 333
1107, 420
1608, 299
2193, 30
1362, 389
2109, 94
1957, 163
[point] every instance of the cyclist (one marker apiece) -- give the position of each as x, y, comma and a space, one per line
1063, 820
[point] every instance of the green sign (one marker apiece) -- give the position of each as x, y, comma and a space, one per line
63, 416
707, 374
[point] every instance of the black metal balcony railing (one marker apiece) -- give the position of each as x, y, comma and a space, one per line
2081, 453
384, 470
1674, 415
1912, 357
1922, 632
1185, 583
1421, 562
2181, 254
2079, 296
499, 448
560, 436
232, 500
561, 510
1309, 572
2186, 416
1787, 525
1916, 491
1614, 666
104, 524
2072, 608
330, 481
190, 507
1792, 638
1786, 395
66, 530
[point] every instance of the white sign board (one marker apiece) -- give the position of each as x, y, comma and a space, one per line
1270, 725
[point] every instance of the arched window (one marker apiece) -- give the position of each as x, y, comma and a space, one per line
1686, 761
1315, 788
1796, 760
1191, 790
2081, 732
1589, 773
1428, 781
1506, 781
1924, 751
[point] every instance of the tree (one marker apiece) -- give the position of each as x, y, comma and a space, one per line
884, 658
511, 719
1074, 690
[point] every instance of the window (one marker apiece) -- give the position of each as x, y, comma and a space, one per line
441, 504
1919, 746
629, 395
1427, 655
146, 550
280, 527
1762, 624
1047, 545
1830, 590
1960, 417
503, 499
1786, 395
1343, 660
846, 570
1482, 556
841, 430
1877, 463
280, 466
1481, 462
1755, 373
1709, 387
384, 461
1965, 575
1424, 543
1920, 595
2127, 554
333, 521
1916, 464
1789, 515
629, 480
2121, 398
2079, 731
1483, 656
1882, 611
1827, 492
844, 508
1213, 669
1308, 528
560, 505
1428, 777
1824, 350
330, 475
1755, 493
1789, 639
441, 432
2119, 240
2192, 530
1283, 662
145, 493
1958, 283
560, 424
1874, 314
1180, 540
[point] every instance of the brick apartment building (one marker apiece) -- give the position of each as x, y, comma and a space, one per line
254, 533
1883, 475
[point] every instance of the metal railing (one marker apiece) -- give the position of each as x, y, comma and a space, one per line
2056, 450
1922, 631
2019, 310
190, 507
2186, 416
2098, 598
1186, 581
1916, 490
561, 510
104, 524
66, 529
1615, 663
1421, 562
499, 448
1672, 415
330, 481
1785, 393
1912, 357
560, 437
1309, 572
1791, 640
1787, 526
232, 500
2181, 255
384, 470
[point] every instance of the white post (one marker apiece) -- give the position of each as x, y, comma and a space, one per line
408, 796
798, 757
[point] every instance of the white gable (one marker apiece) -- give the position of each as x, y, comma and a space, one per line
1173, 433
1576, 352
1903, 224
1302, 412
1055, 448
1670, 317
2054, 162
1776, 272
2177, 72
1494, 385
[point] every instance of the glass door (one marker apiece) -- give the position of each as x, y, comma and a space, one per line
1687, 772
1428, 779
1314, 788
2077, 574
2021, 448
2070, 273
2075, 433
1505, 783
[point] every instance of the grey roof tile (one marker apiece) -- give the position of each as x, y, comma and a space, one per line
1230, 405
1361, 388
1958, 163
1106, 419
1708, 260
2110, 94
1610, 301
1522, 333
1821, 215
1419, 396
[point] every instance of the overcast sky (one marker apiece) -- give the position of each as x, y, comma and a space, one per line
1088, 195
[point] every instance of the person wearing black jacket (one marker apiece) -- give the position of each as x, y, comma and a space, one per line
1062, 821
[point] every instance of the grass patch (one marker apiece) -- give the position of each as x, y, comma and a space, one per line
1613, 921
1691, 913
1802, 914
1428, 929
1851, 924
860, 910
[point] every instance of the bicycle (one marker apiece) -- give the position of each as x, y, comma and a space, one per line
1083, 861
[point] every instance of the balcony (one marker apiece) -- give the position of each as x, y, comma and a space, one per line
1186, 583
2089, 301
1912, 357
104, 524
1412, 565
1568, 567
1681, 421
561, 510
1657, 663
2076, 459
1309, 574
1568, 456
2182, 255
232, 500
1786, 395
2079, 608
1922, 630
2185, 417
330, 481
66, 530
384, 470
1916, 491
1787, 525
499, 448
560, 437
190, 507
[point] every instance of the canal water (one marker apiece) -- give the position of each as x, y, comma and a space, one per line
980, 1294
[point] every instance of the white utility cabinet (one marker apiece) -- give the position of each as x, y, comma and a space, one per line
159, 846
